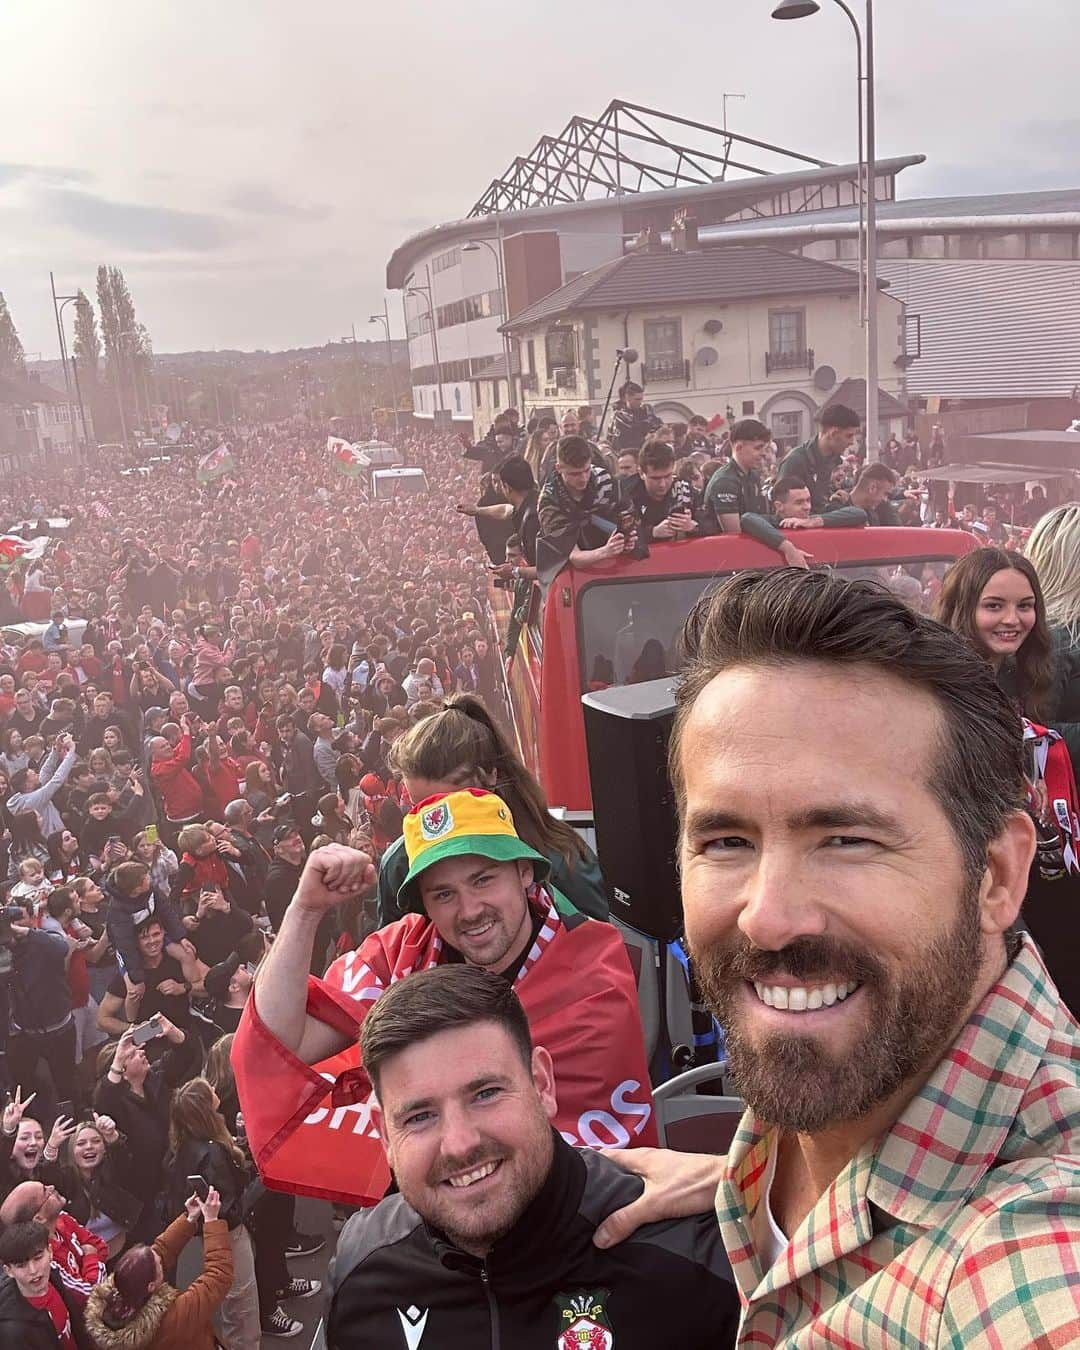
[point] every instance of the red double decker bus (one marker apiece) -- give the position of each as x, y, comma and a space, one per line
620, 623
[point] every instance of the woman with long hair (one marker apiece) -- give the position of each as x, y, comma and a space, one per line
332, 819
1054, 550
335, 672
65, 858
135, 1308
201, 1145
91, 1172
27, 841
462, 747
13, 756
259, 787
993, 598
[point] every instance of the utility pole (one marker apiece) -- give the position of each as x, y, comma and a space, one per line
72, 427
384, 319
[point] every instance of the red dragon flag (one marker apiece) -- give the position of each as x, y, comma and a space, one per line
346, 456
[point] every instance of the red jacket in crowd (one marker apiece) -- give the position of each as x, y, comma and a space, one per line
181, 793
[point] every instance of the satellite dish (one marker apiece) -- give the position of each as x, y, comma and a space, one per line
824, 377
706, 356
713, 326
172, 432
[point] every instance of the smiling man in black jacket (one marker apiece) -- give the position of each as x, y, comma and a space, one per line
489, 1242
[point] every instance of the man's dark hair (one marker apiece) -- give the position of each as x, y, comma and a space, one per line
656, 455
629, 387
21, 1241
750, 429
18, 780
837, 415
785, 616
574, 452
126, 876
697, 421
783, 486
96, 799
877, 473
547, 420
60, 901
502, 426
441, 999
516, 473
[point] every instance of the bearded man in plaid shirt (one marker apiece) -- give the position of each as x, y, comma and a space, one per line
854, 858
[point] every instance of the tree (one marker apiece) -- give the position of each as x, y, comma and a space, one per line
12, 356
87, 342
128, 350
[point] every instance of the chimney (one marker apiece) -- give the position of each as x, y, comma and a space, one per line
648, 241
684, 232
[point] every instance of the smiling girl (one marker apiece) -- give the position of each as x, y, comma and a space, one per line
993, 598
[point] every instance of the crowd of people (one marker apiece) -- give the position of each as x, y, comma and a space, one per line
216, 686
258, 732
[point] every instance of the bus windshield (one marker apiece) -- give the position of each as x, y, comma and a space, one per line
629, 630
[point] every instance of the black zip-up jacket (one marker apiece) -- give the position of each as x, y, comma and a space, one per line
24, 1327
397, 1282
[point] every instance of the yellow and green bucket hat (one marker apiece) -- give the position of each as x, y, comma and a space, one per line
455, 824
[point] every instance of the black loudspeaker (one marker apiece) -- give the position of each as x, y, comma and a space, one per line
627, 729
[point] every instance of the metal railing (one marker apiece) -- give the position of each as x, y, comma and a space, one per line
795, 359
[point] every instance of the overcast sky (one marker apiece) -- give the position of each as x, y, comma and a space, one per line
251, 164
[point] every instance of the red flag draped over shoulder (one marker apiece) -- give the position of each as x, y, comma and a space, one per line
311, 1128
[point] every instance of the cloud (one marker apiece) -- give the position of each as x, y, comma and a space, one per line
145, 229
259, 199
41, 173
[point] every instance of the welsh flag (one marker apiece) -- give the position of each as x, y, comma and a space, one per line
346, 456
12, 548
216, 463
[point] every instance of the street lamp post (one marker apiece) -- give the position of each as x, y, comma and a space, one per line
60, 302
63, 362
414, 288
799, 9
384, 319
473, 246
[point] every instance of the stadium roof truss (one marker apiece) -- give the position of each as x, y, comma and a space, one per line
628, 149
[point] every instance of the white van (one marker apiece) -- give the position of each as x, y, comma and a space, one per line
378, 455
387, 483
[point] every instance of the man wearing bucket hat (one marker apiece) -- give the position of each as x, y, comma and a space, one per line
474, 893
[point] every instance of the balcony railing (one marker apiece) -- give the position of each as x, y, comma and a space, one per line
666, 368
800, 359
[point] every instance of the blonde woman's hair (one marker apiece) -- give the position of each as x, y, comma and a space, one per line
218, 1070
193, 1116
1054, 549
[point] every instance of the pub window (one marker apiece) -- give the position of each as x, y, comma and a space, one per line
787, 332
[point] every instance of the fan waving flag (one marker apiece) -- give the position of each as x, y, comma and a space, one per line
346, 456
216, 463
311, 1128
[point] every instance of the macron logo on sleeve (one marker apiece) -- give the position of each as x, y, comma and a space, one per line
413, 1321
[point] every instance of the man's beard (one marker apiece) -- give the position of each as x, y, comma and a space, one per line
789, 1079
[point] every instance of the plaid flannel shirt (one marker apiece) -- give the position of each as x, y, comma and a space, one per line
961, 1226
